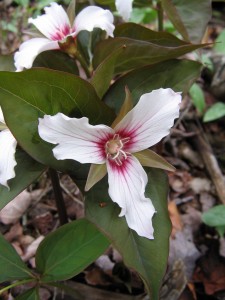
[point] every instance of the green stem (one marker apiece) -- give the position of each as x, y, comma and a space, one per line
15, 284
84, 65
58, 197
160, 15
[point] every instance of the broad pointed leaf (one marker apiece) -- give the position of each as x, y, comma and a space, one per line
147, 257
105, 72
56, 60
11, 265
137, 53
69, 250
176, 74
27, 170
190, 17
29, 95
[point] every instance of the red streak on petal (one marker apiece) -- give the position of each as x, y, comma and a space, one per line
122, 169
61, 33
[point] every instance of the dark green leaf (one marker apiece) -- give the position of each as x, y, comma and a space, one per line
138, 53
216, 111
27, 170
29, 95
69, 250
56, 60
11, 265
138, 32
31, 294
190, 18
147, 257
104, 73
176, 74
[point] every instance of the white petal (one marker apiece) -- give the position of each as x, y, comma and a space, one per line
76, 138
1, 116
150, 120
94, 17
126, 188
7, 156
54, 24
124, 8
29, 50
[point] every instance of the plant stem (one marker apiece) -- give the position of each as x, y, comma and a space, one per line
15, 284
58, 197
83, 64
160, 15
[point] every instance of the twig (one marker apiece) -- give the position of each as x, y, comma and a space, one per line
71, 196
210, 161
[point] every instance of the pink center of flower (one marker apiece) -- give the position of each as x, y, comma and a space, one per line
114, 149
62, 32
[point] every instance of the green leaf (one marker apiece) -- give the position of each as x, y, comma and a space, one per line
105, 71
31, 294
215, 217
176, 74
190, 18
13, 266
220, 230
197, 97
147, 257
27, 170
220, 42
138, 32
69, 250
144, 15
154, 47
215, 112
56, 60
29, 95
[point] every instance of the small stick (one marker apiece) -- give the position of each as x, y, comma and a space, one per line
210, 161
58, 197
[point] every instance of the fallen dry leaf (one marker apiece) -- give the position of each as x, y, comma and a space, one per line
175, 218
32, 248
211, 272
12, 212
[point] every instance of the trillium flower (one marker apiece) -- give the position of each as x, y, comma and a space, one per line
124, 8
56, 28
7, 154
119, 150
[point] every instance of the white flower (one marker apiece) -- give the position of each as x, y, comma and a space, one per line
7, 154
56, 27
142, 127
124, 8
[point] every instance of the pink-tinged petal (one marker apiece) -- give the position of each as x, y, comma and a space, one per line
126, 188
54, 24
29, 50
76, 138
150, 120
7, 156
94, 17
124, 8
